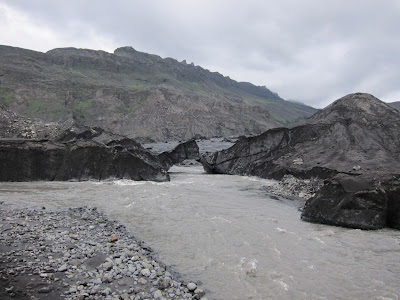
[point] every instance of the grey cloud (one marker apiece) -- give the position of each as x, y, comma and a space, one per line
312, 51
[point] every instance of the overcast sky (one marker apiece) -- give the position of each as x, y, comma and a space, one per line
311, 51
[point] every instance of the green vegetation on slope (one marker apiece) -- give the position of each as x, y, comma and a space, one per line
7, 95
37, 106
76, 72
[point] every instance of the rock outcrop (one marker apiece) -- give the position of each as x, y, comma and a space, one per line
183, 151
26, 160
87, 154
366, 202
186, 150
356, 138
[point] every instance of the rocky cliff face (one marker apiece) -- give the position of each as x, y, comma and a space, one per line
357, 136
26, 160
136, 94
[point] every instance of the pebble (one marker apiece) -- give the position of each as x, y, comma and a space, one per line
191, 286
45, 289
78, 258
94, 290
125, 296
157, 294
107, 278
108, 266
199, 292
168, 274
145, 272
113, 238
63, 268
106, 291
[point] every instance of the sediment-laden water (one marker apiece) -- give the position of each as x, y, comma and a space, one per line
227, 233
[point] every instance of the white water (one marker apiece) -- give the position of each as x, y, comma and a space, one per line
227, 233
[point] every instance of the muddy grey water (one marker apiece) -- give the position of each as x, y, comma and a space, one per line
227, 233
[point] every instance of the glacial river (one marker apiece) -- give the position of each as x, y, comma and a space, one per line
227, 233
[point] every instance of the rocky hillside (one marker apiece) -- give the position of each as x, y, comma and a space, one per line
354, 144
137, 94
355, 134
13, 125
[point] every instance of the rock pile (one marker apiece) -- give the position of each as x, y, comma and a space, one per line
365, 202
13, 125
79, 254
291, 186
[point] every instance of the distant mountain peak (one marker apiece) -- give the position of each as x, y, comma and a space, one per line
362, 101
357, 106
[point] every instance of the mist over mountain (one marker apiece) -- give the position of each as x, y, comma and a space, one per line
137, 94
395, 105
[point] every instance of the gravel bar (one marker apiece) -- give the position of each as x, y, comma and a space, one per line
77, 253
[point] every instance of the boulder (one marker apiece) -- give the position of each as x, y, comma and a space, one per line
363, 202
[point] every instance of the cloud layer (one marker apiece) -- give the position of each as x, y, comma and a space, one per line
311, 51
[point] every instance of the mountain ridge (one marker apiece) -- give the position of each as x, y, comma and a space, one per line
142, 94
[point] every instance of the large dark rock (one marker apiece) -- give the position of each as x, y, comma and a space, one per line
183, 151
26, 160
364, 202
83, 153
273, 154
186, 150
354, 143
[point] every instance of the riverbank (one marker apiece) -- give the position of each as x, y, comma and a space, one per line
77, 253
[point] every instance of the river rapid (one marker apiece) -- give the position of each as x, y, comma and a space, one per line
228, 234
